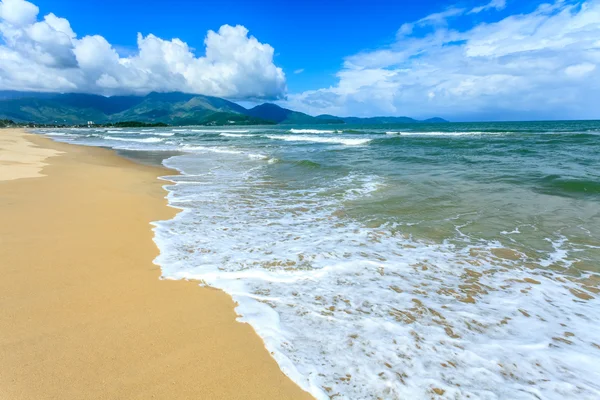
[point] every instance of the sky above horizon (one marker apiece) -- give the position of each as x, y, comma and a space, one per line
462, 60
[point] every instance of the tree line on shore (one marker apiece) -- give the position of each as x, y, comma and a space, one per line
8, 123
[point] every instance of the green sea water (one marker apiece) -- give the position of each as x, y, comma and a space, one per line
391, 261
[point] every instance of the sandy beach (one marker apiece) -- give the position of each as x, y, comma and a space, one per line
83, 313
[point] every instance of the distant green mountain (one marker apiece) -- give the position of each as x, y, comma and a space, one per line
47, 111
168, 108
70, 106
185, 109
14, 94
165, 108
436, 120
106, 105
224, 118
329, 119
282, 115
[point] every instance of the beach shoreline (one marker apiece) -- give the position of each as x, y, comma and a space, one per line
84, 313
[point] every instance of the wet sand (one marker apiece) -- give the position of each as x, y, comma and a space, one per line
83, 313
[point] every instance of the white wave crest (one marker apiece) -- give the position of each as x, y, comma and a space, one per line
220, 150
318, 139
157, 133
119, 131
225, 134
233, 131
258, 156
311, 131
223, 150
465, 133
60, 134
145, 140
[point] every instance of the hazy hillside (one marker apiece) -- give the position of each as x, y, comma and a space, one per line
168, 108
180, 108
282, 115
47, 111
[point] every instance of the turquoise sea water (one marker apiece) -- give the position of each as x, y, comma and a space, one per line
395, 261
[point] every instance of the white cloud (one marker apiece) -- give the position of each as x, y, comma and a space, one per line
299, 71
18, 13
536, 65
436, 19
48, 55
492, 5
580, 70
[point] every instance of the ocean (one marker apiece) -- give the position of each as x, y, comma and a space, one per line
457, 260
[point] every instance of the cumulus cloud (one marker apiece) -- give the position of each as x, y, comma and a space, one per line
542, 64
47, 55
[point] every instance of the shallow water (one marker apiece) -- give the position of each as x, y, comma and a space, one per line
408, 261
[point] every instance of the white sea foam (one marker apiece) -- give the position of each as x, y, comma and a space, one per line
218, 131
234, 131
369, 312
215, 131
166, 134
144, 140
258, 156
319, 139
311, 131
223, 150
225, 134
60, 134
359, 186
120, 131
465, 133
211, 149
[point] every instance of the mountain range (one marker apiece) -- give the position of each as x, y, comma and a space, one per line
170, 108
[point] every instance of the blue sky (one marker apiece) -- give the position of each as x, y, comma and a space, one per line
466, 60
313, 36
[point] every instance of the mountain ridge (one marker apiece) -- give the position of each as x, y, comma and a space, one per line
173, 108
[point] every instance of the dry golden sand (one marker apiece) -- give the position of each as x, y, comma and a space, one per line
19, 158
83, 314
